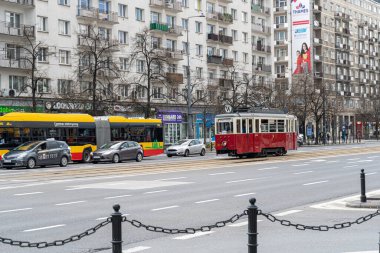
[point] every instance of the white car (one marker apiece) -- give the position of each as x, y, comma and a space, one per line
186, 148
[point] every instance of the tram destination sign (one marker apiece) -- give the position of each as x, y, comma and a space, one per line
65, 124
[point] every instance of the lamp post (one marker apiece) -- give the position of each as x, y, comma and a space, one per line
189, 116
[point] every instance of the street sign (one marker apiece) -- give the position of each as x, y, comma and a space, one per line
228, 108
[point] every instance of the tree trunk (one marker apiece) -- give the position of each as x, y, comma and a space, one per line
94, 107
148, 105
34, 86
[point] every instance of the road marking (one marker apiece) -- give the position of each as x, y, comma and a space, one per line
371, 173
197, 234
269, 168
16, 210
288, 212
27, 193
120, 196
241, 224
44, 228
298, 165
74, 189
373, 251
302, 172
155, 192
164, 208
136, 249
317, 160
206, 201
244, 194
332, 161
350, 166
352, 159
167, 179
375, 156
319, 182
244, 180
221, 173
71, 203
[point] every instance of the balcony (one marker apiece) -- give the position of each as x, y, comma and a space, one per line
317, 8
21, 64
317, 24
173, 54
220, 17
260, 28
21, 3
225, 83
317, 41
91, 14
166, 28
282, 58
12, 30
226, 1
88, 41
86, 72
342, 16
219, 38
262, 68
281, 43
174, 78
214, 59
318, 75
212, 83
317, 57
280, 75
261, 48
281, 26
281, 9
174, 7
228, 62
256, 8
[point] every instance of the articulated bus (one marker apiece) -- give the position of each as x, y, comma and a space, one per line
82, 132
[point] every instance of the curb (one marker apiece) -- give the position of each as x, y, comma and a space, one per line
370, 204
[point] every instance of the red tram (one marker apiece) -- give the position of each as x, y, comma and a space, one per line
254, 133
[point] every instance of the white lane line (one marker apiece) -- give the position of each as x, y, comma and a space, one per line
164, 208
197, 234
288, 212
319, 182
353, 159
269, 168
136, 249
299, 165
116, 197
244, 194
155, 192
241, 224
27, 193
332, 161
375, 156
244, 180
71, 203
318, 160
350, 166
221, 173
44, 228
16, 210
371, 173
302, 172
373, 251
74, 189
167, 179
104, 218
206, 201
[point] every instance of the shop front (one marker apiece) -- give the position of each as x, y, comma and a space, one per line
174, 126
204, 127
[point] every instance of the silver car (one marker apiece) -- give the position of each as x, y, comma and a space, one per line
186, 148
118, 151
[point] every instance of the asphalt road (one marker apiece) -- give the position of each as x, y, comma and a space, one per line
55, 203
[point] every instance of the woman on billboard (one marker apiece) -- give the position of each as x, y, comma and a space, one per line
306, 62
299, 69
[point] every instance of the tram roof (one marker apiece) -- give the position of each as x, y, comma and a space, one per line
47, 117
250, 115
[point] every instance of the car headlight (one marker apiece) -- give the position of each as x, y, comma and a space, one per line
107, 153
92, 153
21, 156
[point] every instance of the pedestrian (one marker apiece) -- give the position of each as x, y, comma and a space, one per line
328, 137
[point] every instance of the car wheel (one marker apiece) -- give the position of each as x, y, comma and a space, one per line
203, 152
139, 157
186, 153
116, 158
86, 157
31, 163
64, 161
169, 155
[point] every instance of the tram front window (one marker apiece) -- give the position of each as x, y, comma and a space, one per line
225, 127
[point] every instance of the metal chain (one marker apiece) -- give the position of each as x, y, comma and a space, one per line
174, 231
348, 224
40, 245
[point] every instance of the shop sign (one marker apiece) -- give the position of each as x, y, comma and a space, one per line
210, 119
67, 106
7, 109
170, 117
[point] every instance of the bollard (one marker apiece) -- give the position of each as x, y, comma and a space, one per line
252, 227
116, 230
363, 197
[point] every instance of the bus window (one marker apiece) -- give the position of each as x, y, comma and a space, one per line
280, 125
257, 126
272, 126
264, 126
238, 126
250, 126
243, 126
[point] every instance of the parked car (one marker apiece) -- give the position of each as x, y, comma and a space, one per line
38, 153
118, 151
186, 148
300, 139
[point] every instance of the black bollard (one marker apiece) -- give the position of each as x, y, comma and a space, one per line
116, 230
363, 197
252, 227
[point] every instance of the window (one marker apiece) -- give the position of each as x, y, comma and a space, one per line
123, 63
42, 24
13, 52
280, 126
85, 87
245, 37
212, 95
235, 56
244, 16
234, 14
200, 95
198, 27
139, 14
43, 86
264, 126
123, 37
42, 54
199, 71
245, 57
124, 90
12, 19
185, 24
64, 27
157, 92
16, 83
104, 33
140, 64
64, 2
185, 3
235, 35
199, 49
185, 47
122, 10
64, 57
64, 86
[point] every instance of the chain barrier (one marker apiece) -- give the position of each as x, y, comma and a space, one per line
174, 231
40, 245
348, 224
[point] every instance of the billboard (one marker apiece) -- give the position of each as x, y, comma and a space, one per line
301, 37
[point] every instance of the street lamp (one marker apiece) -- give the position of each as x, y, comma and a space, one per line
189, 118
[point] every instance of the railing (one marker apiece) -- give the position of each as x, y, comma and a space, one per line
263, 67
225, 39
88, 41
213, 36
95, 13
10, 29
176, 6
29, 3
166, 28
174, 78
214, 59
173, 53
261, 48
228, 62
260, 28
260, 9
15, 63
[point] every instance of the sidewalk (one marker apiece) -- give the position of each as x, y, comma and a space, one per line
337, 143
373, 201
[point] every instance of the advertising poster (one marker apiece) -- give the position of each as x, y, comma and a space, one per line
301, 37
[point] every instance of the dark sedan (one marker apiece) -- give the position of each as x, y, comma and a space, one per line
118, 151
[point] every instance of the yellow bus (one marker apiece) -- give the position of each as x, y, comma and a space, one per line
82, 132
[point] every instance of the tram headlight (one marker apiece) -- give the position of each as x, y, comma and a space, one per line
224, 143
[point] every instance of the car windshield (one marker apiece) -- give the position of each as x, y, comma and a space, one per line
181, 142
111, 145
27, 146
